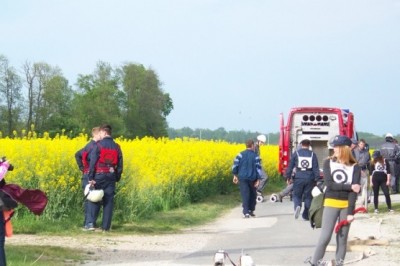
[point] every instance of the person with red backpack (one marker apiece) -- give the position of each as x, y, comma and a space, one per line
105, 169
82, 161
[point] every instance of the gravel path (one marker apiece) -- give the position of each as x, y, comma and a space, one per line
112, 249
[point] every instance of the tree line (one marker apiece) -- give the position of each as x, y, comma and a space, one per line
38, 97
240, 136
233, 136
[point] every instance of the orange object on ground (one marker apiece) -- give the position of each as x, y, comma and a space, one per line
7, 222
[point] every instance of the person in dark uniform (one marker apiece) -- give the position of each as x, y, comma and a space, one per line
105, 169
389, 150
307, 173
82, 160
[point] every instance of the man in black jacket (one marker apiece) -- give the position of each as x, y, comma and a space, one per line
105, 169
389, 150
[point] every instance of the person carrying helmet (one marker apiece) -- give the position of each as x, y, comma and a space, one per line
82, 160
105, 169
389, 151
261, 140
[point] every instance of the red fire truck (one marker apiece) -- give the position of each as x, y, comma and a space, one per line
319, 125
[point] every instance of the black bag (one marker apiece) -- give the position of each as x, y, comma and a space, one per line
6, 202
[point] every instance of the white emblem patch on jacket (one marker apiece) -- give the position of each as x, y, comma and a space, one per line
341, 174
303, 162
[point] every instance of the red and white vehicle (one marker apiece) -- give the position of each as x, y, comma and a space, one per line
318, 124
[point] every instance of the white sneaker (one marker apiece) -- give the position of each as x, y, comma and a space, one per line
297, 212
376, 211
391, 211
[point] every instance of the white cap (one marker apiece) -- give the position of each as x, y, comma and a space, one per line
389, 135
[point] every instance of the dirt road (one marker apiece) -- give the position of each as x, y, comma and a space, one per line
374, 240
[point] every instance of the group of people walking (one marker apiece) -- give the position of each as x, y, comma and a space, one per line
346, 175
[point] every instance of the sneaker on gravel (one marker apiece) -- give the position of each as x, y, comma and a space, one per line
376, 211
297, 212
88, 228
391, 211
246, 215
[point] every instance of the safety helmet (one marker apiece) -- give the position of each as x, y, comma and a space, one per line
262, 138
93, 195
389, 135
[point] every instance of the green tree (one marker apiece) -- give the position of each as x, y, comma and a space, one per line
37, 76
147, 106
56, 105
99, 100
10, 96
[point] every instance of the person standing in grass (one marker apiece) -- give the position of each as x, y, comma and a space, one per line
82, 160
246, 172
105, 169
380, 178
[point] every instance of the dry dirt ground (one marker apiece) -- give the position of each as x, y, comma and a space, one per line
374, 238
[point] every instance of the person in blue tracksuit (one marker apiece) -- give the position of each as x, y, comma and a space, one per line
246, 171
307, 173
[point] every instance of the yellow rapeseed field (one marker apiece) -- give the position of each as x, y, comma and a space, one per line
158, 173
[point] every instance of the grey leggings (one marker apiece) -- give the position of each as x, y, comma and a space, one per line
329, 218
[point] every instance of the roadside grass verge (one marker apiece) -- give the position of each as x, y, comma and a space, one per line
42, 255
383, 208
158, 223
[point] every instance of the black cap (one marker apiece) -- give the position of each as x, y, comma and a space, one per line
341, 140
376, 154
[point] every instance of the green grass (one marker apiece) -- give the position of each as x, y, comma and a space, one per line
383, 208
158, 223
43, 256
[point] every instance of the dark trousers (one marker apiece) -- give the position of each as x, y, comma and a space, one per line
302, 188
103, 181
249, 195
84, 182
380, 182
2, 240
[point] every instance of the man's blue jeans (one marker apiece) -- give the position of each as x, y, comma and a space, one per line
249, 195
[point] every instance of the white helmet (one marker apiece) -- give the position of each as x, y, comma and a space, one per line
94, 195
262, 138
389, 135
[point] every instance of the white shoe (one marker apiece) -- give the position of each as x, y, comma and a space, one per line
376, 211
297, 212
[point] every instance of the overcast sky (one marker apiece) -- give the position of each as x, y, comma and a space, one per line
234, 64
